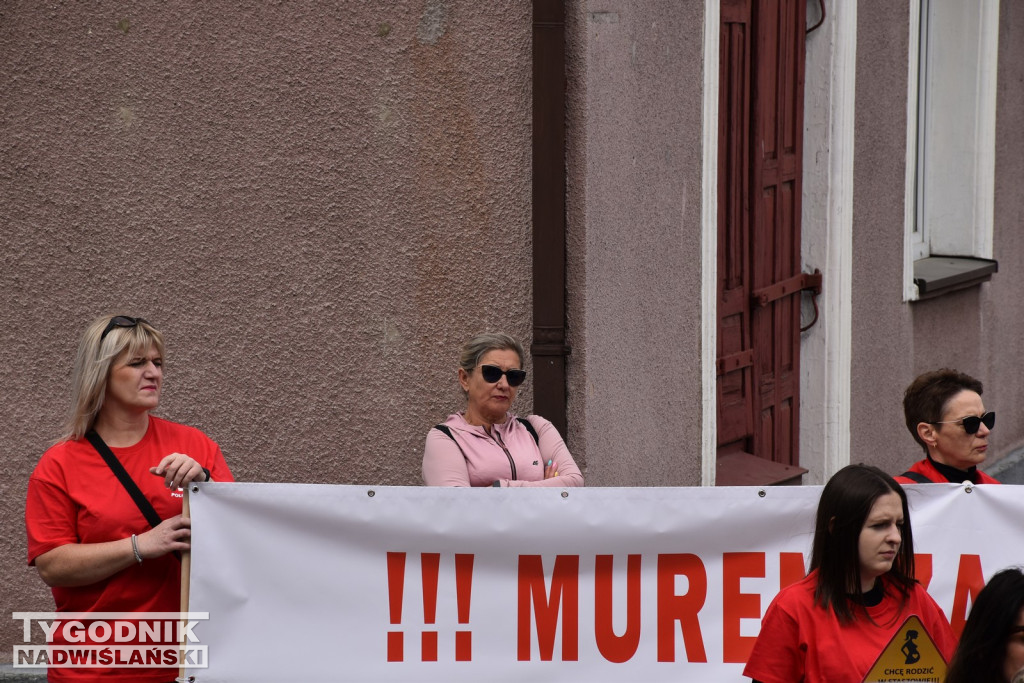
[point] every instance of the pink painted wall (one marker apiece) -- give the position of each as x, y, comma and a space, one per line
1002, 335
882, 343
316, 203
634, 209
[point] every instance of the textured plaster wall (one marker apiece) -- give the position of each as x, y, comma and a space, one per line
317, 203
882, 344
977, 330
634, 138
1003, 338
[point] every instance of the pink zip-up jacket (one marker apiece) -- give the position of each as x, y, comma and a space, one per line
508, 455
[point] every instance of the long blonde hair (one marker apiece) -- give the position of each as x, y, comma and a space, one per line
92, 368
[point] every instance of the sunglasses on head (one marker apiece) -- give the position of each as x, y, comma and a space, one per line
120, 321
492, 373
972, 423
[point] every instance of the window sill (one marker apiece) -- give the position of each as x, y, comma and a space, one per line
938, 275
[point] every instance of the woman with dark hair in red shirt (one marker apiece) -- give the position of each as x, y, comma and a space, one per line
832, 626
991, 648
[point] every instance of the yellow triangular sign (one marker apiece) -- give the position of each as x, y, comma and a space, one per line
910, 656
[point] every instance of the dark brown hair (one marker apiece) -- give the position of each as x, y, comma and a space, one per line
926, 398
981, 654
845, 504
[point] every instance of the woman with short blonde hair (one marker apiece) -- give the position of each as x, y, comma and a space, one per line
486, 444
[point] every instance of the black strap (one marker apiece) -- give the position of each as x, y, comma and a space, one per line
529, 428
444, 429
916, 476
126, 480
526, 423
448, 432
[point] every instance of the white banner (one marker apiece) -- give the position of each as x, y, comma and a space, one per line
353, 583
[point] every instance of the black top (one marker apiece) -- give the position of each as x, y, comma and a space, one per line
872, 597
955, 475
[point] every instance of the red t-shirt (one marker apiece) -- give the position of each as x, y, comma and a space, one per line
74, 497
801, 641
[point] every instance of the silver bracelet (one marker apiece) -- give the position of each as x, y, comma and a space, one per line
135, 549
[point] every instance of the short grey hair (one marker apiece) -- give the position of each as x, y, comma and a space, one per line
481, 343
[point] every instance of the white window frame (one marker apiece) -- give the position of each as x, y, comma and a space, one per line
951, 116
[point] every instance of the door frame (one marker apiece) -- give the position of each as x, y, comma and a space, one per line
826, 242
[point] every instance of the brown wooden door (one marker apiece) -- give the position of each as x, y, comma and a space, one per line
760, 148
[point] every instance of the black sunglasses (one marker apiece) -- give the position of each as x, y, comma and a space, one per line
121, 321
972, 423
492, 373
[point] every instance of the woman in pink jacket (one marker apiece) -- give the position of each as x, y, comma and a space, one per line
486, 444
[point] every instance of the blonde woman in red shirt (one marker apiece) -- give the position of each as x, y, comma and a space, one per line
97, 547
